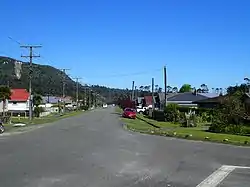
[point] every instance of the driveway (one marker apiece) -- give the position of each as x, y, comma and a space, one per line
93, 150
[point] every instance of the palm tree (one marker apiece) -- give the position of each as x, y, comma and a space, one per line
5, 94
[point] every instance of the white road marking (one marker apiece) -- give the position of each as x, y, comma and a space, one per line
217, 177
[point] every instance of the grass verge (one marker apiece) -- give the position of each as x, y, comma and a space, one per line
145, 125
36, 121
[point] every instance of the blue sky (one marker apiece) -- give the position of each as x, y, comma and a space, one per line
204, 41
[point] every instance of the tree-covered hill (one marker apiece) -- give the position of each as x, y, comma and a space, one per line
48, 80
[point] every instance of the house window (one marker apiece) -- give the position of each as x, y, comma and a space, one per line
14, 102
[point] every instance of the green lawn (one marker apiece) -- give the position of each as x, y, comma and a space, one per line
142, 124
36, 121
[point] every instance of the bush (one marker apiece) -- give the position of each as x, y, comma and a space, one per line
146, 112
172, 114
37, 111
229, 129
84, 107
158, 115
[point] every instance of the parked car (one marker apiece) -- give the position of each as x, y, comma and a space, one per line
140, 109
104, 105
129, 113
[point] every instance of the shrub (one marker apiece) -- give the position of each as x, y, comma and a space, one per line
172, 113
158, 115
37, 111
146, 112
84, 107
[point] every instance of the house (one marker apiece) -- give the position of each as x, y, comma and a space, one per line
186, 99
215, 101
19, 101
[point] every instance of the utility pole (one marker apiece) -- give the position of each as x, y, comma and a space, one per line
136, 92
153, 103
85, 95
133, 91
165, 87
90, 97
63, 86
30, 56
77, 92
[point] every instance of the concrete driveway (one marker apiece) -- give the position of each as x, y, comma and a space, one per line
93, 150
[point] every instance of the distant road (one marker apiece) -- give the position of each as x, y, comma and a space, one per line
93, 150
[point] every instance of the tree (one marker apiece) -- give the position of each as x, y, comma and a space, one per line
159, 90
169, 89
231, 114
232, 89
204, 88
185, 88
156, 88
247, 84
199, 90
147, 88
141, 88
37, 100
217, 90
175, 90
5, 94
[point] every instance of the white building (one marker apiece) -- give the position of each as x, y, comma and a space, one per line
19, 101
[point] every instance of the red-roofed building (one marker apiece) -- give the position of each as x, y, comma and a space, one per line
19, 101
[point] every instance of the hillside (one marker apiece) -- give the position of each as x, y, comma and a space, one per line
48, 80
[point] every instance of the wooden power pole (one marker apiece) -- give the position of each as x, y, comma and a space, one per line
153, 104
30, 56
63, 86
133, 91
165, 87
77, 90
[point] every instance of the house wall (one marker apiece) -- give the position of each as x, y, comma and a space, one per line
183, 103
18, 106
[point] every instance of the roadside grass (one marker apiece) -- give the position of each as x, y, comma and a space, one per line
144, 125
36, 121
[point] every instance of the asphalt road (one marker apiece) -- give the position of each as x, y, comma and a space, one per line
93, 150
